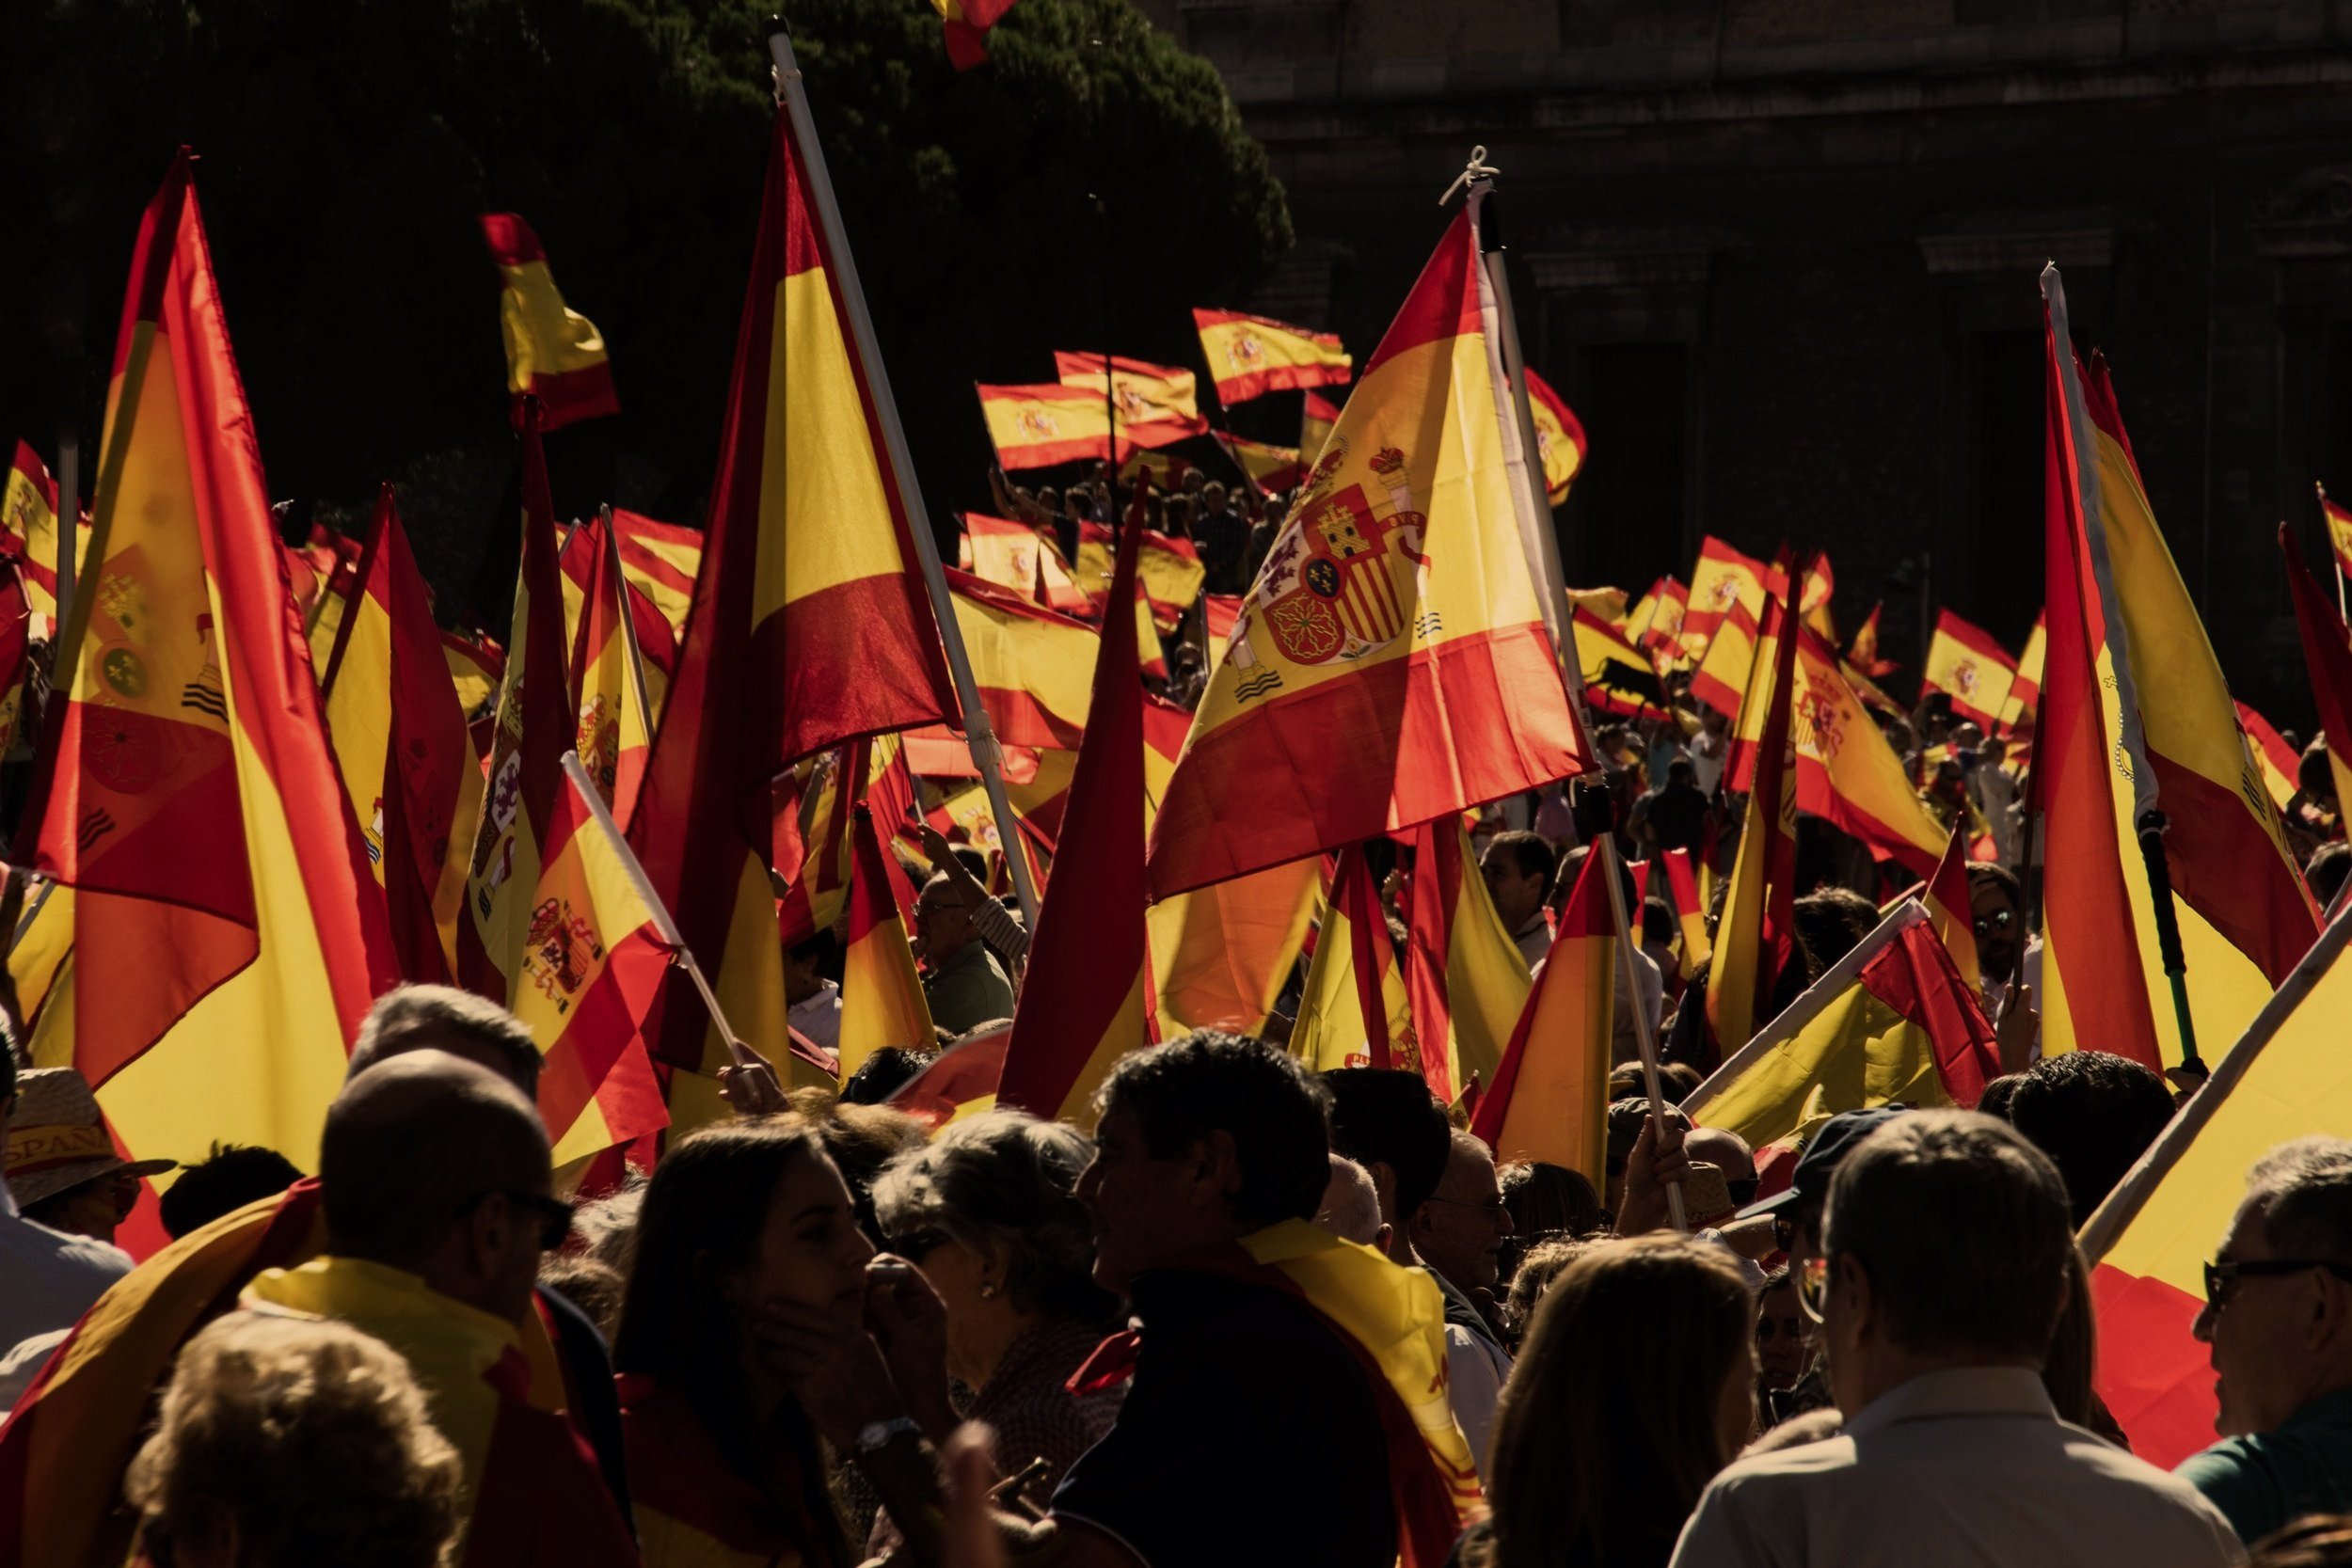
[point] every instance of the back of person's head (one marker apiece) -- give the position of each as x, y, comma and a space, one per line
1626, 1081
1537, 1272
1962, 1228
1659, 925
1549, 1201
1997, 1094
2323, 873
224, 1182
1387, 1115
413, 1140
442, 1018
2314, 1541
289, 1442
1351, 1204
884, 1074
2093, 1115
588, 1283
1833, 921
1677, 1081
1272, 1109
1003, 1186
606, 1227
1612, 1424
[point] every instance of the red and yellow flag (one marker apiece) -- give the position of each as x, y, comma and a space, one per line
1558, 437
1813, 608
1549, 1099
659, 561
882, 996
1755, 940
1037, 425
1391, 664
1966, 664
1690, 911
1268, 467
2148, 1243
2328, 658
1168, 570
1154, 404
1033, 668
1087, 1000
615, 689
1845, 770
816, 853
28, 523
1618, 677
811, 622
1002, 551
1953, 912
1661, 634
1251, 355
1354, 1009
228, 936
1891, 1021
1721, 578
553, 353
1722, 675
1317, 414
1464, 976
2339, 523
2025, 692
409, 765
2273, 756
1863, 652
965, 24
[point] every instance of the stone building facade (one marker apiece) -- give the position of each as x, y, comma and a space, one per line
1781, 256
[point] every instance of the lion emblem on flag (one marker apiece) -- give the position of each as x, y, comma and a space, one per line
1347, 576
558, 951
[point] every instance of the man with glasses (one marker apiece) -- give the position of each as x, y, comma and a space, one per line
1458, 1233
2279, 1317
1946, 1248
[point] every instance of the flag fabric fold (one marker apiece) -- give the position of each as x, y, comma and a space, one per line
2328, 660
1154, 404
1755, 940
1251, 355
1353, 1010
1464, 977
1967, 665
1558, 437
1548, 1100
882, 996
553, 353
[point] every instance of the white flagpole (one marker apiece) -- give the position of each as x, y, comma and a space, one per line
977, 732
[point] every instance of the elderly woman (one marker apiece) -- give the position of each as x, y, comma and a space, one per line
986, 1210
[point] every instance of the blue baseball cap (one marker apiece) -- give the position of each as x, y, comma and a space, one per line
1809, 1182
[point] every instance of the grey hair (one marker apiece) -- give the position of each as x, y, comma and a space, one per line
2304, 1190
1351, 1204
418, 1017
1002, 1185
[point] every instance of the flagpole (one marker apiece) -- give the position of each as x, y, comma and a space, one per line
2333, 554
628, 620
70, 518
666, 928
979, 733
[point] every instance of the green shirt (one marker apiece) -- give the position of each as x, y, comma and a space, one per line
968, 990
2273, 1478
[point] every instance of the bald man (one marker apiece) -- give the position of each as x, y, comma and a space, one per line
435, 1184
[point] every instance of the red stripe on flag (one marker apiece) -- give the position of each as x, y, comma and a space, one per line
2156, 1379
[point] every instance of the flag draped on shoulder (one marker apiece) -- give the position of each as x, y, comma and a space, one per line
2148, 1242
1558, 437
882, 996
810, 625
1891, 1021
229, 934
1086, 1001
1392, 662
553, 353
1251, 355
1549, 1097
1756, 941
1967, 665
408, 764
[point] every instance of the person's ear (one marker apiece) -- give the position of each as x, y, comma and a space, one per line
1851, 1296
490, 1234
1216, 1168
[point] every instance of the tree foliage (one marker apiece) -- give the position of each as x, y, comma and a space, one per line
347, 146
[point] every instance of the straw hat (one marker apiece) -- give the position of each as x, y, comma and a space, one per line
57, 1138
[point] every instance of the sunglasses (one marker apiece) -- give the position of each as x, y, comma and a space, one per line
2221, 1278
1813, 1289
555, 1214
1997, 921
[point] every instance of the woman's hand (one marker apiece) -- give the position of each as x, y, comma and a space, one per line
847, 1388
909, 1323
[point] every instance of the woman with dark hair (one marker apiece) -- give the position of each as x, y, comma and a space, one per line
1599, 1458
743, 1341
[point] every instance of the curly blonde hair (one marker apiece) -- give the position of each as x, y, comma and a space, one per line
309, 1438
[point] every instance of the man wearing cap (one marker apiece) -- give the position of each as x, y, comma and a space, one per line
51, 1276
63, 1171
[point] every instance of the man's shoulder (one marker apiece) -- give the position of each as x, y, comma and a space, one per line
67, 1252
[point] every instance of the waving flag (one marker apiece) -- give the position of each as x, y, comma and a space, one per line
1251, 355
1087, 999
1154, 404
228, 936
409, 765
1037, 426
1033, 667
1690, 909
28, 522
1001, 551
659, 561
1354, 1009
2273, 756
1863, 652
2025, 692
965, 24
553, 353
1549, 1099
1269, 469
2328, 659
1317, 414
1464, 976
1391, 664
882, 1004
1755, 940
1723, 675
1721, 578
1966, 663
1168, 570
616, 691
1891, 1021
2339, 523
811, 623
817, 851
1558, 437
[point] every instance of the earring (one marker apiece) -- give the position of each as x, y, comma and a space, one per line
988, 1290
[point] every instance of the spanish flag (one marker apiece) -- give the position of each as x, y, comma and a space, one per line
2147, 1244
1002, 551
1846, 771
965, 24
1952, 911
1966, 664
1168, 570
2025, 692
476, 667
1690, 909
816, 852
2328, 658
1549, 1099
1558, 437
409, 765
659, 561
1721, 578
1756, 942
1057, 589
882, 996
1221, 955
28, 521
1863, 652
1722, 675
1269, 469
2274, 756
615, 689
1353, 1010
553, 353
1661, 633
2339, 523
1251, 355
15, 644
1391, 665
1891, 1021
811, 623
1813, 608
1618, 677
1154, 404
1464, 977
2142, 671
228, 936
1317, 414
1037, 425
1032, 667
1087, 1000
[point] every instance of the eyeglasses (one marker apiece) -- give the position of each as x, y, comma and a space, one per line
1813, 1289
2220, 1279
1997, 921
1493, 1208
555, 1216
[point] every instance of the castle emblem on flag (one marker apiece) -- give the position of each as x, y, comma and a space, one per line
1819, 724
559, 950
1341, 584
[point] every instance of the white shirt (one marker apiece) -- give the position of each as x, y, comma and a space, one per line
1965, 1469
818, 1017
48, 1278
1475, 1373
